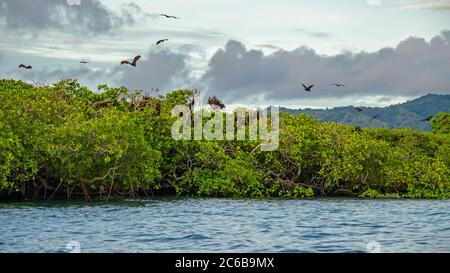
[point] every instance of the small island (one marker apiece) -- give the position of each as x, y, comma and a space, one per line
65, 141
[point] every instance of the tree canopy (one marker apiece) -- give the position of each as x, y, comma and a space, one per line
65, 140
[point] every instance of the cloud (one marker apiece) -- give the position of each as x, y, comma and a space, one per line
435, 5
87, 76
246, 76
91, 17
268, 46
189, 35
315, 34
414, 67
161, 69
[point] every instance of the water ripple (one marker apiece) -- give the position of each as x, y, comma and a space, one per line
227, 225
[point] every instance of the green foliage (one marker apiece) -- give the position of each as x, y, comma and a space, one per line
441, 123
65, 139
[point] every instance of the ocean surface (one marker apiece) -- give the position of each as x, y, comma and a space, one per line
227, 225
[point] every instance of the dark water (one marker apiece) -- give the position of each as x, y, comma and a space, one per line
228, 225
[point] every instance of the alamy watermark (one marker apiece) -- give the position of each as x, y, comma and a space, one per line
73, 247
242, 124
73, 2
373, 2
373, 247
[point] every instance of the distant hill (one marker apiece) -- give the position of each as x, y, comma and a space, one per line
404, 115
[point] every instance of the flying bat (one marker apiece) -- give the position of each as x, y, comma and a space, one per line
428, 118
25, 66
161, 41
373, 118
215, 103
308, 88
168, 16
133, 63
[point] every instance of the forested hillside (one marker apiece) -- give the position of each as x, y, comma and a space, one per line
405, 115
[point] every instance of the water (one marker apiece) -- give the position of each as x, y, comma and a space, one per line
228, 225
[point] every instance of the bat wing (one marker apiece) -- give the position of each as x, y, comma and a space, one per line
136, 59
25, 66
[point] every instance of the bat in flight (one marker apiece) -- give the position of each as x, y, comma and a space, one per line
168, 16
161, 41
133, 63
25, 66
373, 118
428, 118
308, 88
215, 103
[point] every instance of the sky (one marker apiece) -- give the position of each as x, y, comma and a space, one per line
247, 52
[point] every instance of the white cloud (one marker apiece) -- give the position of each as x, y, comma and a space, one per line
91, 17
435, 5
265, 66
414, 67
161, 69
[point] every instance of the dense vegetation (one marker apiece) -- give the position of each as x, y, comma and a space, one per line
405, 115
66, 140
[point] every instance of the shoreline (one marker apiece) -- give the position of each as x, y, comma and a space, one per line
168, 196
66, 140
